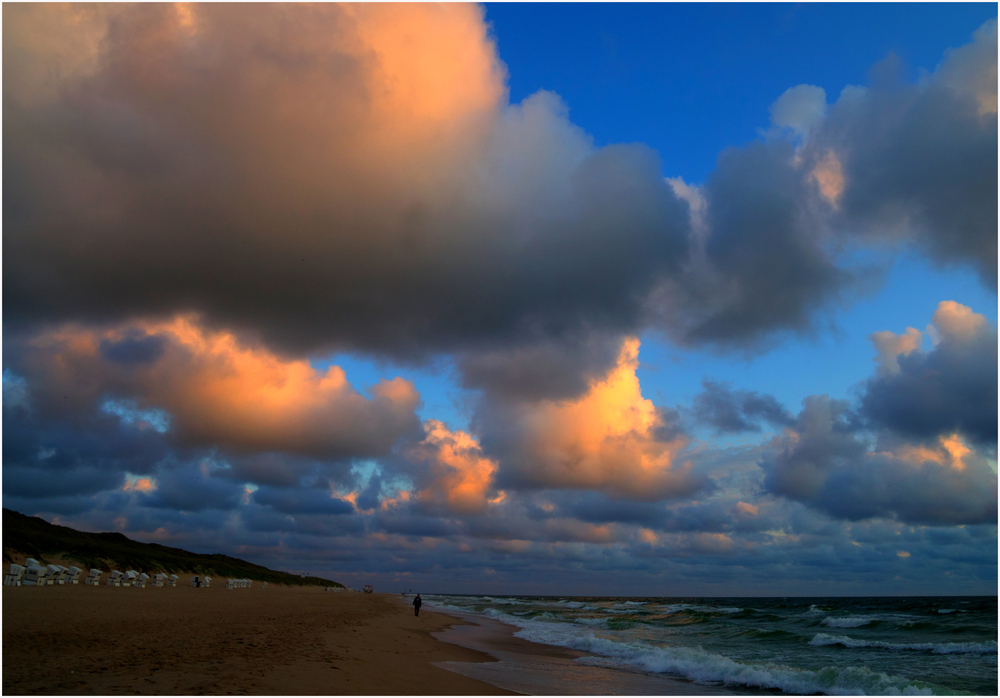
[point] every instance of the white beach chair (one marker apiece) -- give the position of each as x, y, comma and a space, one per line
63, 575
52, 574
34, 575
115, 580
73, 575
195, 581
172, 580
141, 581
230, 583
159, 579
94, 578
206, 581
14, 576
130, 578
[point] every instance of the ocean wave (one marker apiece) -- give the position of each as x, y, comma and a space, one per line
946, 610
822, 639
677, 607
848, 621
813, 611
701, 666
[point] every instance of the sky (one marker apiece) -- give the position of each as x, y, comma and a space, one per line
528, 299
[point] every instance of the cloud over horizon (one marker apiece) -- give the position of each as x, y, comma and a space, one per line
204, 202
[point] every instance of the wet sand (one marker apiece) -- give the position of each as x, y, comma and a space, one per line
279, 641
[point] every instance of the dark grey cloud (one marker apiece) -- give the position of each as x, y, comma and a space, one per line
266, 520
829, 465
540, 370
193, 487
596, 508
134, 348
920, 162
764, 266
951, 388
301, 501
733, 411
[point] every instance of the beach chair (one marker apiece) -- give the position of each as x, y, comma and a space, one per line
264, 585
141, 581
115, 580
130, 578
34, 575
159, 579
63, 576
52, 574
73, 575
14, 576
94, 578
172, 580
230, 583
195, 581
206, 581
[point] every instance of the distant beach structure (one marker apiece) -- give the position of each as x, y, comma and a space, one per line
14, 576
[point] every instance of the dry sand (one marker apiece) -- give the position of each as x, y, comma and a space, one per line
179, 640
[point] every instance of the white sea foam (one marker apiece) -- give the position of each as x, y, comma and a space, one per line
823, 639
849, 621
675, 607
701, 666
946, 610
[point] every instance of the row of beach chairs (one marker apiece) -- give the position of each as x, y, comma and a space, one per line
134, 579
34, 574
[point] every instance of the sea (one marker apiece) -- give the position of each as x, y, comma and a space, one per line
833, 646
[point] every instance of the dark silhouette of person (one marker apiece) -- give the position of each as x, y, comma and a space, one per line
417, 603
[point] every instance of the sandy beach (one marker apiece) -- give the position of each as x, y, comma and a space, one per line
279, 641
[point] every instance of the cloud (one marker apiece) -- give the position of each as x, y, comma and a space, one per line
301, 501
825, 462
216, 390
919, 161
763, 266
731, 411
800, 108
314, 174
455, 474
953, 387
912, 165
609, 439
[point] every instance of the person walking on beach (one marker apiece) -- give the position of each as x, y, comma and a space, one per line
416, 605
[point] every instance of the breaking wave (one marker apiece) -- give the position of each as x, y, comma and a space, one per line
822, 639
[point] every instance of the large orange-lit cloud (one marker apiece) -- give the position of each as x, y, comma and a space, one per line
458, 474
325, 175
219, 390
610, 438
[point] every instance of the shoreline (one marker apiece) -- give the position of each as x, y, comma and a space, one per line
533, 668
